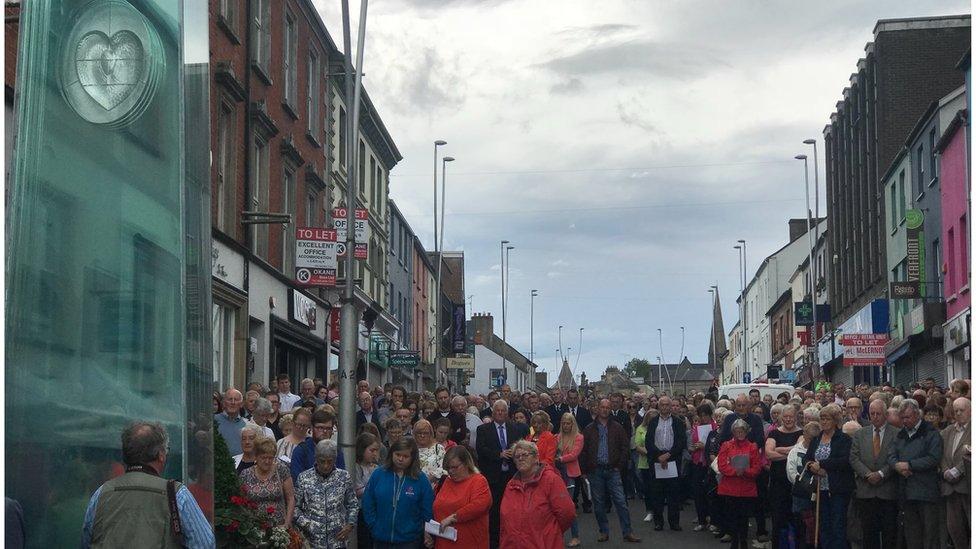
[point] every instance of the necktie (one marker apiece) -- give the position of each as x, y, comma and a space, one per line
503, 441
877, 442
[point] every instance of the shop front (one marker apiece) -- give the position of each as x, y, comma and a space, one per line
229, 321
955, 345
919, 353
838, 368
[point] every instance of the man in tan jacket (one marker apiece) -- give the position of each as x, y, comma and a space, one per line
956, 455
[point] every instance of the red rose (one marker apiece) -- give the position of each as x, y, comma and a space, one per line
270, 509
233, 526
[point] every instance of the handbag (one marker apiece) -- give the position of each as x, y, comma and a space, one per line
805, 485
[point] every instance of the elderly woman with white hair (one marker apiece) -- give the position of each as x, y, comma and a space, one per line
247, 458
326, 505
261, 415
739, 465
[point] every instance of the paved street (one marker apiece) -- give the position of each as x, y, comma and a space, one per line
645, 530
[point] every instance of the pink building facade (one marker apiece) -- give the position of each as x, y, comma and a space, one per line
953, 151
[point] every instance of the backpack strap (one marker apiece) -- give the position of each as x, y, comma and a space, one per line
174, 513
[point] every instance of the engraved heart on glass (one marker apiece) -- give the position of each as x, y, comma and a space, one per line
109, 69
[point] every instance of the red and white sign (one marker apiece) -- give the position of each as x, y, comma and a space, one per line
315, 256
864, 349
362, 238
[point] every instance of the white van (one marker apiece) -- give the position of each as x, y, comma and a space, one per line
773, 389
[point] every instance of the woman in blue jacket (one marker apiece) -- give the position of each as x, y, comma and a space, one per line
398, 499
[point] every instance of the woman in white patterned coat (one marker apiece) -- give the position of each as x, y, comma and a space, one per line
326, 506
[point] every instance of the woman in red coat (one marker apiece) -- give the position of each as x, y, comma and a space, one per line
543, 438
462, 501
739, 465
536, 508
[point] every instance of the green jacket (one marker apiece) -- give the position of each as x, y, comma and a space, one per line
133, 511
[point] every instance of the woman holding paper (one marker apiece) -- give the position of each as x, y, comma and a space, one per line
738, 462
462, 503
536, 508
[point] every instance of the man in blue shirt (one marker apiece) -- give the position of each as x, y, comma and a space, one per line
303, 457
123, 512
230, 422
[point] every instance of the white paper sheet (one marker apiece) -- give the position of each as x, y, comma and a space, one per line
670, 470
434, 528
703, 431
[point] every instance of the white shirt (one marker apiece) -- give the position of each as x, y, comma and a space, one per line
288, 401
664, 434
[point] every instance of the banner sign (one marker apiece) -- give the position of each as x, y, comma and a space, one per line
864, 349
301, 309
315, 256
458, 330
362, 240
457, 363
404, 359
915, 259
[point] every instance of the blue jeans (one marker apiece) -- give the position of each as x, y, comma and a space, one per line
604, 481
833, 520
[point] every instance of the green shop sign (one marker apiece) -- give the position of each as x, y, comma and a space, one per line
915, 242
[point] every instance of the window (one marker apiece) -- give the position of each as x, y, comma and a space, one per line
223, 344
893, 208
901, 195
289, 62
311, 219
226, 180
932, 165
919, 171
951, 259
260, 178
375, 184
342, 136
288, 229
362, 168
313, 100
963, 252
261, 34
228, 11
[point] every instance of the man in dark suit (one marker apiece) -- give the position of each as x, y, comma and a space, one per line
665, 442
459, 425
605, 456
556, 410
494, 441
875, 501
619, 414
367, 414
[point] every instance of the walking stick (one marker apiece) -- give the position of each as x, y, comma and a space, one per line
816, 527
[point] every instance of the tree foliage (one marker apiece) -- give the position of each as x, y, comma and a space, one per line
637, 367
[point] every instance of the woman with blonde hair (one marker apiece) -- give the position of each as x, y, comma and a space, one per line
829, 457
431, 453
568, 448
542, 436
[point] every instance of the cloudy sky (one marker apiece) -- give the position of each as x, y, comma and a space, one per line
623, 146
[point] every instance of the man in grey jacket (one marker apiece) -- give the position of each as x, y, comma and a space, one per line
875, 502
915, 458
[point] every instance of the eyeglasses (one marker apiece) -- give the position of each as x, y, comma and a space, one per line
322, 428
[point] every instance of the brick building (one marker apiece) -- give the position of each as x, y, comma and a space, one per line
910, 63
278, 115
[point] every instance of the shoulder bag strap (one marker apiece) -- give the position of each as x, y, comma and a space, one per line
174, 513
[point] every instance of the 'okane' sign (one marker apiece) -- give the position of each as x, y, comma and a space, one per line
315, 256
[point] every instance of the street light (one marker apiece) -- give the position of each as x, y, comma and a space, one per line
437, 143
812, 268
562, 358
532, 297
745, 308
579, 351
502, 272
439, 249
505, 298
816, 210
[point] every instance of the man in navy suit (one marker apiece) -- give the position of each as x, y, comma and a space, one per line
494, 444
583, 418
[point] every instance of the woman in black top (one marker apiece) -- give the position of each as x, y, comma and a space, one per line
779, 442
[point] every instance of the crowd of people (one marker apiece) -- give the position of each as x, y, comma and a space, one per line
837, 467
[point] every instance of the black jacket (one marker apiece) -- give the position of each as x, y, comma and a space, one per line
489, 448
556, 412
623, 418
840, 474
756, 431
582, 415
923, 452
459, 425
361, 418
678, 445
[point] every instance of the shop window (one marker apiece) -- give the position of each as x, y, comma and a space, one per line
224, 327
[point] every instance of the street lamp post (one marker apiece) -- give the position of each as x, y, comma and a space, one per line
532, 296
745, 309
559, 336
812, 268
816, 217
437, 143
502, 271
439, 249
505, 301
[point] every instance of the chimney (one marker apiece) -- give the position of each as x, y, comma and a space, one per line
798, 228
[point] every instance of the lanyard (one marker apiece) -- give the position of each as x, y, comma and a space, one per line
398, 483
